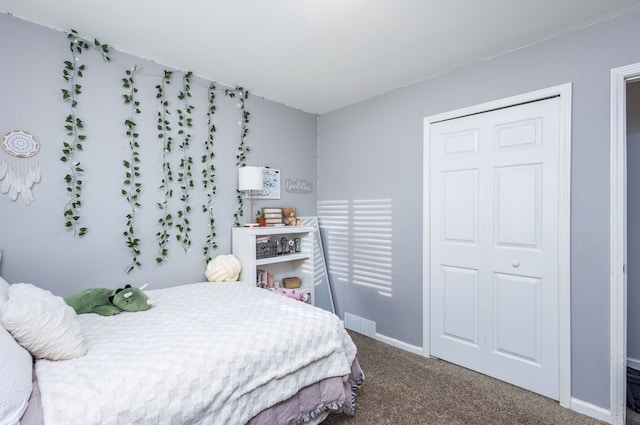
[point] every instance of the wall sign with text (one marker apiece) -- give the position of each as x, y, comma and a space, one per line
297, 186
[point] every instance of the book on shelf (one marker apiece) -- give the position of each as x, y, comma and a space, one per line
265, 279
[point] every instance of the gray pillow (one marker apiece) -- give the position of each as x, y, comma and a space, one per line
4, 293
16, 384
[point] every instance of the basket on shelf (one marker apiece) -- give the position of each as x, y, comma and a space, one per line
291, 282
265, 249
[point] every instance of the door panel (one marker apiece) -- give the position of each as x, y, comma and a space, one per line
517, 311
460, 206
517, 206
494, 236
461, 305
460, 143
521, 134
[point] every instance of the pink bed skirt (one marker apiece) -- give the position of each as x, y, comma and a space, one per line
332, 394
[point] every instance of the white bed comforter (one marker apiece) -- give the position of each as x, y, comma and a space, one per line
206, 353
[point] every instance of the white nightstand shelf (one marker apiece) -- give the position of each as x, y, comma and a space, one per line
298, 264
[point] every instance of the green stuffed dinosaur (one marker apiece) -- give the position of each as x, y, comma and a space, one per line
108, 302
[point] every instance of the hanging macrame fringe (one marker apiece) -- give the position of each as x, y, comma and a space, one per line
19, 167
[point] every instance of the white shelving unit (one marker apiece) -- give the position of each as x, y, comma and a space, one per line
298, 264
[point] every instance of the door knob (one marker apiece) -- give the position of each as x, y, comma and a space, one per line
515, 263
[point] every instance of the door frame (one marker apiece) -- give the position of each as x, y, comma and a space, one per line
618, 240
564, 91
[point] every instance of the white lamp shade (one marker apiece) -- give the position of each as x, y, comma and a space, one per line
250, 178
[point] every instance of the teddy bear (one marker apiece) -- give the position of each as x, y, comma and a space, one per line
107, 302
290, 218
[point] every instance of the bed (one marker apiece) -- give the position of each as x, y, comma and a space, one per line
205, 353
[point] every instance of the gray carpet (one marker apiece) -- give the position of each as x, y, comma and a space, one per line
402, 388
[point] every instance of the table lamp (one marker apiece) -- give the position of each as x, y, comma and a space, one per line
250, 179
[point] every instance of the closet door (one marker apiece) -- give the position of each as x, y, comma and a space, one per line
494, 243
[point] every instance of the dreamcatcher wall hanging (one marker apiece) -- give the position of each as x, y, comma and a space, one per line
19, 167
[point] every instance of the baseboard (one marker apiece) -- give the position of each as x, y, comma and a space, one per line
633, 363
591, 410
394, 342
399, 344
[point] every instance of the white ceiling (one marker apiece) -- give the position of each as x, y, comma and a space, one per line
317, 55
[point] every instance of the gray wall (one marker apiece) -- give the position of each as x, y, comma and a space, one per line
374, 150
35, 245
633, 225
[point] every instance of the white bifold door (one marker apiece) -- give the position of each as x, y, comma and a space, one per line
494, 243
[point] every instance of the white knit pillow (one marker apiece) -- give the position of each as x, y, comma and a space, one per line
223, 268
43, 323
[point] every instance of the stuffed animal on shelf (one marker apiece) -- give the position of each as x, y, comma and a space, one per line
294, 293
107, 302
290, 218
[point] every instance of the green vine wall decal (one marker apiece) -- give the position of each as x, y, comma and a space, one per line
132, 168
243, 149
185, 175
179, 173
209, 174
164, 133
72, 72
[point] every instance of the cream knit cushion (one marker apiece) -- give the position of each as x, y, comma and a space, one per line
223, 268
